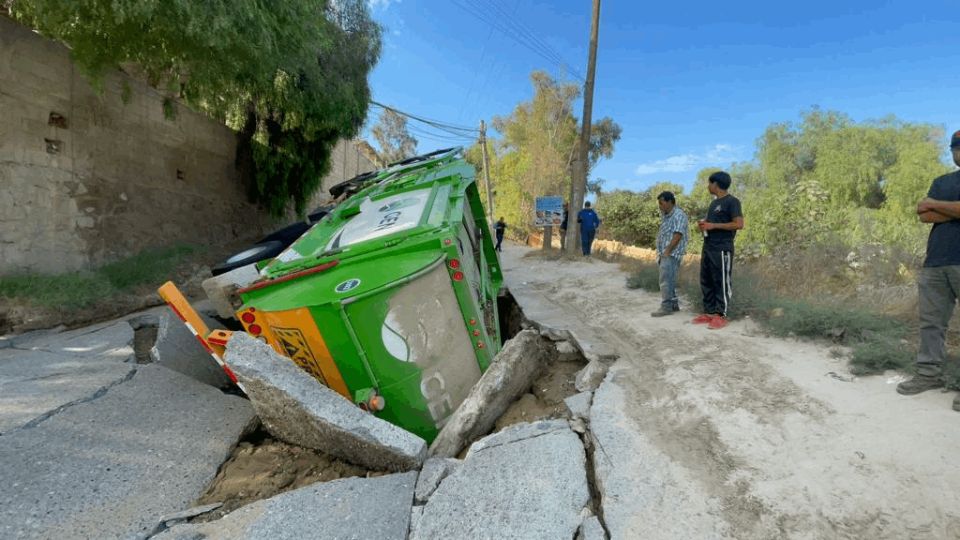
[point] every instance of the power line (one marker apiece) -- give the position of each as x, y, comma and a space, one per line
525, 31
510, 27
452, 129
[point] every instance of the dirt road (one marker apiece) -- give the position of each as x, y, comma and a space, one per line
732, 434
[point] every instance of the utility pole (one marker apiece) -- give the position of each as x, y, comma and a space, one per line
579, 177
486, 171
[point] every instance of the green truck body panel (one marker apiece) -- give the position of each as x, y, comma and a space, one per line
401, 281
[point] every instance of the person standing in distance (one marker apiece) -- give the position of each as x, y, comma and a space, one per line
724, 219
563, 226
671, 245
939, 281
499, 229
589, 223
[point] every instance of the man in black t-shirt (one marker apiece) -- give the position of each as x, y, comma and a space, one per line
939, 282
724, 219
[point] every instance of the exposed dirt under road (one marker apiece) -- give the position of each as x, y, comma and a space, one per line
261, 467
772, 438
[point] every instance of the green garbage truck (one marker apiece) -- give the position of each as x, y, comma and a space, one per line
391, 298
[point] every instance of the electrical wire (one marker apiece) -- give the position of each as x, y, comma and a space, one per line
512, 28
450, 129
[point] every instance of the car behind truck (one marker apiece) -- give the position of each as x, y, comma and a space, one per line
389, 300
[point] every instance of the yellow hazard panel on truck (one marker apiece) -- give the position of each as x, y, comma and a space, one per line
298, 338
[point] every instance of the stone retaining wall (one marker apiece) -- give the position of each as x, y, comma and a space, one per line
87, 178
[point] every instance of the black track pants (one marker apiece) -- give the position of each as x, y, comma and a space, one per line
715, 269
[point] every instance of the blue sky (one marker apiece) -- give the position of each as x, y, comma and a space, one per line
693, 84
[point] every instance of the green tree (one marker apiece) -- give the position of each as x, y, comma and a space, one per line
535, 150
290, 77
392, 136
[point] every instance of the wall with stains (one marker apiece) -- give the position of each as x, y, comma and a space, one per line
86, 177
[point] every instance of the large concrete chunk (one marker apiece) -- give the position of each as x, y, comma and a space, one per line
508, 377
348, 509
178, 349
579, 405
527, 489
568, 352
296, 408
111, 466
590, 377
433, 472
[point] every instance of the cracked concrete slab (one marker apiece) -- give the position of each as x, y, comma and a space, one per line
178, 349
109, 467
635, 479
433, 472
530, 488
52, 370
112, 339
517, 432
348, 509
555, 322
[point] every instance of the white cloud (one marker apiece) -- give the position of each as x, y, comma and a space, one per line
381, 4
718, 154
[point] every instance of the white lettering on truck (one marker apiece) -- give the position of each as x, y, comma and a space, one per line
433, 389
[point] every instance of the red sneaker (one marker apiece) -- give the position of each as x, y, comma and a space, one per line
703, 318
718, 322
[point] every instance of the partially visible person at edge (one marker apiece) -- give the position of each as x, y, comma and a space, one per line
563, 226
499, 229
671, 246
939, 281
589, 222
724, 219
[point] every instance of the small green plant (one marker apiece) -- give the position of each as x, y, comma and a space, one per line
877, 341
80, 289
148, 266
646, 278
879, 354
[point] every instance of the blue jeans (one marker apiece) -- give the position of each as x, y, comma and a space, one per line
586, 239
669, 270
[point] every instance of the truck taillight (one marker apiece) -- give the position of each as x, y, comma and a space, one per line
255, 329
454, 263
458, 276
248, 317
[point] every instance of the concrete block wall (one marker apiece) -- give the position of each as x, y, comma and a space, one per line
111, 178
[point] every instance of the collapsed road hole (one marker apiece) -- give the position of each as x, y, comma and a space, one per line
144, 338
261, 466
511, 316
544, 398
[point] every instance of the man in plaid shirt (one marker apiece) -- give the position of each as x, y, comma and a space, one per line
671, 245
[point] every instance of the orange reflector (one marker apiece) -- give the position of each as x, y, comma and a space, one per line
377, 403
